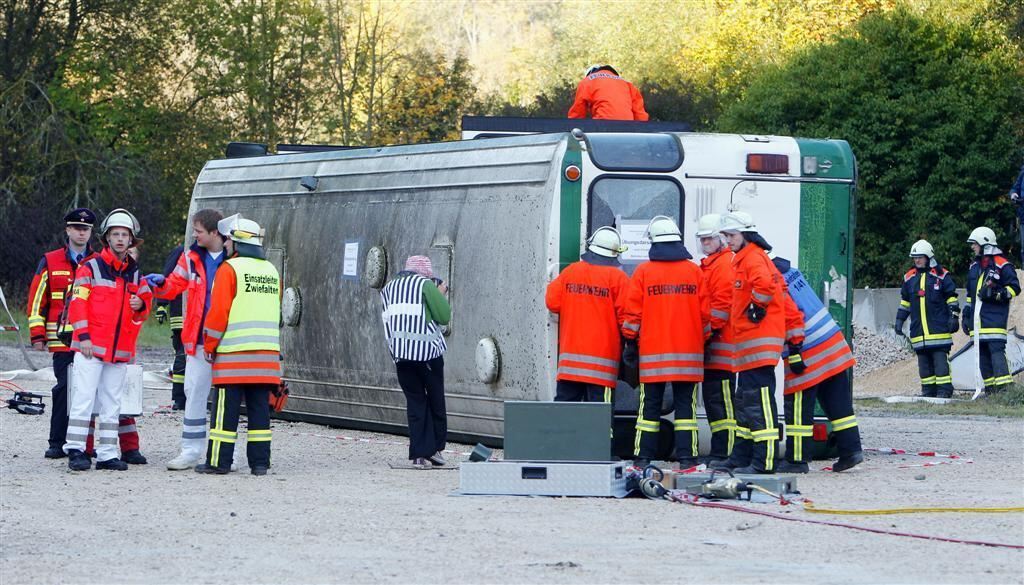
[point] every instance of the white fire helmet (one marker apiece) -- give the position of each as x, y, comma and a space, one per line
922, 248
707, 227
737, 221
982, 236
240, 229
663, 229
606, 241
121, 218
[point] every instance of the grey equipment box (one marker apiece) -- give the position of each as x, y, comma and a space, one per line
558, 431
531, 478
779, 484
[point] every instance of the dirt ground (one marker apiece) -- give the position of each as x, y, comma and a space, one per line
332, 510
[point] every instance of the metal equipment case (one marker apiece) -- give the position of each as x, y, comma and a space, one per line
530, 478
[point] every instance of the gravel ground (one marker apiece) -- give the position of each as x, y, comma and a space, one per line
332, 511
874, 351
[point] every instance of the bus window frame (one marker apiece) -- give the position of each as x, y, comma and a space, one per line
674, 137
668, 178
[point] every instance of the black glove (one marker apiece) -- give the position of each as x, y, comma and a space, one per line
1002, 295
899, 328
967, 323
756, 313
161, 314
954, 322
631, 354
795, 360
987, 294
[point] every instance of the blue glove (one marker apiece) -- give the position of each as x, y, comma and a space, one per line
155, 279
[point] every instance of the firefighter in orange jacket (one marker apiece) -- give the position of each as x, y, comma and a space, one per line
606, 96
758, 322
719, 378
667, 314
588, 297
818, 367
46, 297
242, 340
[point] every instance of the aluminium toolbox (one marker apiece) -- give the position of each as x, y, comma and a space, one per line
543, 478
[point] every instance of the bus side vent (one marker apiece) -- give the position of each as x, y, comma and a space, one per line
705, 199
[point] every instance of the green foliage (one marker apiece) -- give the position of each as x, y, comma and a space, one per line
932, 111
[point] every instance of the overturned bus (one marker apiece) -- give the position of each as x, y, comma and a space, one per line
499, 217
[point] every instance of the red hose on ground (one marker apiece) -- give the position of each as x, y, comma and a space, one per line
694, 501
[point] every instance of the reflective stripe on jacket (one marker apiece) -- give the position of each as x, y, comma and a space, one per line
996, 272
667, 309
719, 277
759, 282
99, 310
410, 333
242, 324
46, 297
589, 300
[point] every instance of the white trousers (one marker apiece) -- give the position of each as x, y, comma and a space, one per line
98, 386
198, 377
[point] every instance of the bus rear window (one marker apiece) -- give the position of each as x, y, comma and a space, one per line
635, 152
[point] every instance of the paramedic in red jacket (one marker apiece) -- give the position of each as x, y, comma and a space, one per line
606, 96
109, 302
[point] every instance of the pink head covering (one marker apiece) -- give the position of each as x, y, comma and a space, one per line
420, 265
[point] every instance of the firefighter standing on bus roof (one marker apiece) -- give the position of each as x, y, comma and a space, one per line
719, 378
170, 310
46, 298
588, 297
758, 322
992, 281
109, 303
819, 365
242, 340
667, 317
606, 96
928, 296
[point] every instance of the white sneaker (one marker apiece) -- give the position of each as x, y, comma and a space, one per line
182, 462
234, 466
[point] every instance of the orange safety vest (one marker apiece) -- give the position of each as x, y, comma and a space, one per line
667, 308
719, 277
588, 299
823, 361
757, 281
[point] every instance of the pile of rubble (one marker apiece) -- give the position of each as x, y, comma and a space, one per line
874, 351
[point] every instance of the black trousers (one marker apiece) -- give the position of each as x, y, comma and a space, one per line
757, 432
717, 391
572, 391
227, 405
178, 369
994, 369
59, 393
648, 421
836, 397
933, 368
423, 386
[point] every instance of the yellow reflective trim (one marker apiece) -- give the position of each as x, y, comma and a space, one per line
81, 292
639, 417
921, 303
57, 295
1012, 292
844, 423
798, 417
905, 304
37, 301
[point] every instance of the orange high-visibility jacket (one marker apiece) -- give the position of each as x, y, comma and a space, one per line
589, 301
188, 279
100, 310
667, 309
240, 367
823, 361
608, 97
719, 277
759, 282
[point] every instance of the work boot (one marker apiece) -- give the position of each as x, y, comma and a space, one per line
178, 406
437, 459
792, 467
258, 470
751, 470
719, 463
847, 461
207, 468
182, 462
55, 453
641, 463
134, 457
77, 461
114, 464
945, 394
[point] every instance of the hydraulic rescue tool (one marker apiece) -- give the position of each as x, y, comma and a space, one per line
26, 403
